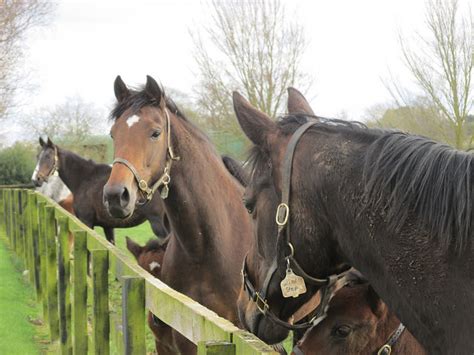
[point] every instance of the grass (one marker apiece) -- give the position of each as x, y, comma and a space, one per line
22, 331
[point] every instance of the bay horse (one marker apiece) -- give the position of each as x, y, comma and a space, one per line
86, 179
150, 257
210, 229
395, 206
358, 322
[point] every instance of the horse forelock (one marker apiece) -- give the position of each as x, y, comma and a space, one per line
138, 99
406, 174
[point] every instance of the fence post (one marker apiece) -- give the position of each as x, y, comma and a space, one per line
64, 290
14, 221
80, 292
100, 291
23, 231
43, 257
133, 313
2, 210
35, 244
51, 275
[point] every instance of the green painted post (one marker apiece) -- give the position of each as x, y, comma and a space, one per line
15, 220
43, 257
133, 313
7, 212
215, 348
2, 210
23, 235
12, 219
35, 244
51, 273
20, 236
80, 293
100, 289
29, 236
64, 290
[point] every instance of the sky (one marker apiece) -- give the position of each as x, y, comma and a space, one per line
352, 46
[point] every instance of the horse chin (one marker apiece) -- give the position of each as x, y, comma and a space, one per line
254, 321
119, 213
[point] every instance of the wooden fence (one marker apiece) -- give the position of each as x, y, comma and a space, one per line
73, 286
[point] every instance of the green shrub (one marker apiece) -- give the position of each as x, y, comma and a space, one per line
17, 164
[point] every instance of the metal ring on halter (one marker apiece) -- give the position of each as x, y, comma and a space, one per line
385, 350
292, 250
282, 211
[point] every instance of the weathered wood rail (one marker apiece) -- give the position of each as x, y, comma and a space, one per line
67, 282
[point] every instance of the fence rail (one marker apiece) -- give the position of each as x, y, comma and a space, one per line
67, 282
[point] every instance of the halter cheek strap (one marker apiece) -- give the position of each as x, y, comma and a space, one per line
386, 349
164, 179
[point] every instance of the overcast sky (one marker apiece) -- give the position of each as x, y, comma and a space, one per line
352, 44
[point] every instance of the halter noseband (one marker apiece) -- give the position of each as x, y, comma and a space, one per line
328, 285
163, 180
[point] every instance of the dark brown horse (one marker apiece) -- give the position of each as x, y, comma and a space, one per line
210, 228
150, 257
358, 322
86, 180
396, 207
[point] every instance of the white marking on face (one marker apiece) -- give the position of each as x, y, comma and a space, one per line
153, 265
132, 120
35, 172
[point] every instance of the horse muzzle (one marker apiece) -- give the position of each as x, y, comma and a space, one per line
118, 200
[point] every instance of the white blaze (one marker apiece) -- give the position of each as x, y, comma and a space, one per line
154, 265
132, 120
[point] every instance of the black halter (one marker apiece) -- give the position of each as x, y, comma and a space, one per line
163, 180
329, 285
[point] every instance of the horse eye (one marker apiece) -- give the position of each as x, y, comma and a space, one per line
155, 134
249, 205
342, 331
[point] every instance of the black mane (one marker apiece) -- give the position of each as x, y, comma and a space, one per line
139, 99
411, 174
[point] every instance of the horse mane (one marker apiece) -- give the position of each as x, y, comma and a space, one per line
406, 174
138, 99
259, 158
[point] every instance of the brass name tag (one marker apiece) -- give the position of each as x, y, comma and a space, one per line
292, 285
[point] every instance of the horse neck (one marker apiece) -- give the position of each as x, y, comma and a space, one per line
205, 196
73, 169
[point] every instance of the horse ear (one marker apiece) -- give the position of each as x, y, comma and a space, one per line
120, 89
375, 302
50, 143
255, 124
297, 103
236, 170
42, 142
134, 248
152, 88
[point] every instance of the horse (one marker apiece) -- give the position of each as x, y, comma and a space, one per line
395, 206
150, 257
86, 179
210, 229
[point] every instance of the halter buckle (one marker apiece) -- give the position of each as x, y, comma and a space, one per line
282, 214
142, 184
385, 350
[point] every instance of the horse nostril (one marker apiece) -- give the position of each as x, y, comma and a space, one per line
124, 197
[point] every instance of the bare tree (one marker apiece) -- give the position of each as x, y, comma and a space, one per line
73, 120
251, 46
17, 18
441, 64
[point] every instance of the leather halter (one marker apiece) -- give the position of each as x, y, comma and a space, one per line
164, 179
386, 349
55, 168
328, 285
